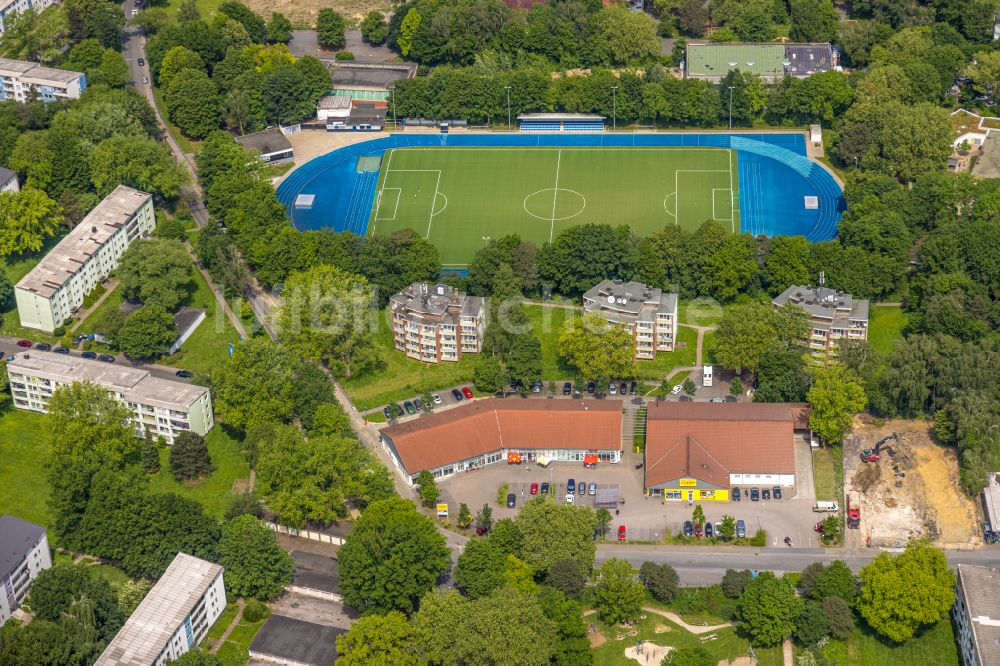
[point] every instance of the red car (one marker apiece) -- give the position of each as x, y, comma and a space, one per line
467, 392
534, 489
697, 529
24, 343
621, 532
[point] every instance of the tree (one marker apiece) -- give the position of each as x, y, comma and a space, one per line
832, 529
189, 458
256, 385
813, 20
689, 387
901, 593
624, 36
177, 59
6, 289
155, 272
727, 528
392, 558
464, 516
480, 567
767, 609
602, 521
618, 595
484, 518
193, 103
488, 375
131, 594
407, 29
378, 639
785, 264
243, 504
985, 71
327, 316
330, 28
279, 29
138, 162
696, 656
661, 579
254, 24
698, 515
734, 582
573, 646
750, 332
54, 591
374, 29
736, 387
255, 564
150, 454
27, 218
835, 580
147, 332
693, 18
188, 12
839, 617
551, 531
565, 576
428, 492
330, 420
597, 348
811, 625
836, 394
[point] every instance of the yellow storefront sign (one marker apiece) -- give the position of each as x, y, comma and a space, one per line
685, 483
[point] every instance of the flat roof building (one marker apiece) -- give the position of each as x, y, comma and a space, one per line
55, 288
272, 144
648, 313
9, 7
977, 614
286, 640
772, 62
164, 406
833, 315
21, 80
486, 431
437, 323
368, 76
24, 552
173, 618
697, 451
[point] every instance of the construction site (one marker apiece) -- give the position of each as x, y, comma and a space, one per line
899, 484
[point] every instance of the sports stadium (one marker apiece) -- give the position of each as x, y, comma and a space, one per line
461, 190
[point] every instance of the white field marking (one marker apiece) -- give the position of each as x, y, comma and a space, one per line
699, 149
555, 196
378, 204
732, 216
524, 204
677, 191
399, 195
430, 220
673, 215
442, 195
722, 189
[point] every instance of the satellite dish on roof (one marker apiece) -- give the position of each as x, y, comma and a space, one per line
611, 300
733, 64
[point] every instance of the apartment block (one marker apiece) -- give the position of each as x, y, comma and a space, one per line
977, 614
21, 80
173, 618
164, 406
24, 552
436, 323
833, 315
649, 314
55, 288
9, 7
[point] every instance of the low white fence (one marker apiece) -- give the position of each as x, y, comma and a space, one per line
304, 534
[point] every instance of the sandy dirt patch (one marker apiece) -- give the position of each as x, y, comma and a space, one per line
739, 661
662, 628
302, 13
648, 653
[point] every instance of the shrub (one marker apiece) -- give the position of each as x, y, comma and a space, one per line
502, 494
734, 581
344, 55
255, 611
59, 332
759, 539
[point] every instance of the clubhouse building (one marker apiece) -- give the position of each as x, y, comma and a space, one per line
496, 430
649, 314
698, 451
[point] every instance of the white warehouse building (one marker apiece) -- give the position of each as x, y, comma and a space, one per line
55, 288
173, 618
20, 80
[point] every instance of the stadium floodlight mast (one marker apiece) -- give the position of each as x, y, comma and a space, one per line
508, 108
392, 91
730, 108
614, 108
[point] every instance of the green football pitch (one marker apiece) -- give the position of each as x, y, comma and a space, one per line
460, 198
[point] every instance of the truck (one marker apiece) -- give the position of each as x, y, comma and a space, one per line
826, 507
854, 510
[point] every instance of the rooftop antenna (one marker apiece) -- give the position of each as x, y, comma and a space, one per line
822, 278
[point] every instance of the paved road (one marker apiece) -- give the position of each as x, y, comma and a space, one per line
9, 346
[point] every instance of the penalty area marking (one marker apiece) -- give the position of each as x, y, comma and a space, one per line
399, 195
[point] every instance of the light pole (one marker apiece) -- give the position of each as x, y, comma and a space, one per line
392, 91
486, 240
730, 108
508, 108
614, 108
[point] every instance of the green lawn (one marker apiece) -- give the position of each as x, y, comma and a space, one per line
213, 492
24, 486
235, 651
824, 475
885, 327
205, 8
16, 267
933, 647
457, 196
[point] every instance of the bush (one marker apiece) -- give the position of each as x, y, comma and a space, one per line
171, 228
59, 332
759, 539
255, 611
502, 494
661, 580
734, 581
344, 55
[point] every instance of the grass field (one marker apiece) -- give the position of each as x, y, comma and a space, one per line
886, 326
932, 647
458, 197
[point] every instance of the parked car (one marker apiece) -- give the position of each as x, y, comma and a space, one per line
777, 492
399, 410
536, 387
184, 374
741, 529
717, 400
145, 80
89, 354
408, 406
621, 532
581, 488
417, 405
676, 389
987, 533
545, 487
754, 494
388, 413
436, 398
78, 338
697, 530
766, 494
634, 388
623, 389
708, 530
534, 489
456, 394
688, 528
511, 500
591, 387
570, 497
142, 62
467, 392
43, 346
592, 490
567, 388
735, 494
570, 486
613, 389
24, 344
107, 358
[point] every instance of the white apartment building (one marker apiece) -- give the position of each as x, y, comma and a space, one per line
164, 406
833, 315
8, 7
8, 181
649, 314
55, 288
173, 618
436, 324
977, 614
20, 80
24, 552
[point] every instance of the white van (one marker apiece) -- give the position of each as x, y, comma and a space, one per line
823, 507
